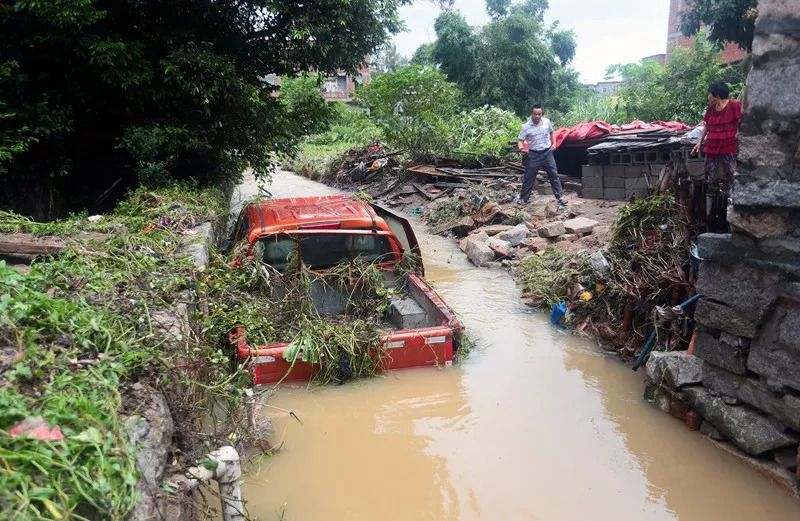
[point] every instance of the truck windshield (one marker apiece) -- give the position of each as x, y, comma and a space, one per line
324, 251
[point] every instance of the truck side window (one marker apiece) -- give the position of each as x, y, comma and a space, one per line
242, 225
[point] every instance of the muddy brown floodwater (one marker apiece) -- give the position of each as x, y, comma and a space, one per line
534, 425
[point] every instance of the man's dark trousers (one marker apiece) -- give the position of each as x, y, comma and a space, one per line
540, 159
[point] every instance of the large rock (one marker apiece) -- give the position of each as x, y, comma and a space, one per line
580, 225
743, 288
480, 236
494, 229
727, 351
458, 228
749, 430
714, 315
776, 353
514, 235
674, 369
758, 223
535, 243
150, 429
753, 392
552, 229
478, 252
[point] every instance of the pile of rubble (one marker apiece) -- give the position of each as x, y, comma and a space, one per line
498, 245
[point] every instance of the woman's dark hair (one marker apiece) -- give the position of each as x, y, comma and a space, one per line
719, 89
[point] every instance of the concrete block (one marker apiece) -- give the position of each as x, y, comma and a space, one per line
614, 194
592, 182
634, 183
478, 252
535, 244
614, 171
405, 313
580, 225
591, 171
668, 401
553, 229
481, 236
613, 182
544, 189
592, 193
636, 171
493, 229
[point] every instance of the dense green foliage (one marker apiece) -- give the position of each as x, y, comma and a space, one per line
512, 62
82, 327
485, 131
728, 20
590, 106
309, 111
413, 108
96, 96
678, 90
423, 55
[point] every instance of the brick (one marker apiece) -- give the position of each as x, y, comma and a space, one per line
693, 420
615, 194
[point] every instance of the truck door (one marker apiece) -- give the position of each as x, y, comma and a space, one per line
403, 231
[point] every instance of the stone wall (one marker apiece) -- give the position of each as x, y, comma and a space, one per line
748, 337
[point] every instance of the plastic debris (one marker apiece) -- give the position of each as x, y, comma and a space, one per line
586, 296
36, 428
599, 263
559, 314
95, 218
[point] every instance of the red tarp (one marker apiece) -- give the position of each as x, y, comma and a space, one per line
596, 129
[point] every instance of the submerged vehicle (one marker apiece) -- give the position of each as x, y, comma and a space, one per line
326, 232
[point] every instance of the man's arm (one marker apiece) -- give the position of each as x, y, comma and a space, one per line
552, 140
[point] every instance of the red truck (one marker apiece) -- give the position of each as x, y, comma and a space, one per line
328, 231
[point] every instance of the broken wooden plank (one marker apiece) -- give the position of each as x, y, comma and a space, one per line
419, 189
29, 244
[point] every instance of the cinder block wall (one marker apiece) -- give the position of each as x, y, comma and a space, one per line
749, 316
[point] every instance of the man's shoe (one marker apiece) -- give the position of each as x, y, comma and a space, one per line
562, 201
521, 201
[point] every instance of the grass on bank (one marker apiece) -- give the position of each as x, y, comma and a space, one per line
77, 332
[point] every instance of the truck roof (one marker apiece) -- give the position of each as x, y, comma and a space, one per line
319, 212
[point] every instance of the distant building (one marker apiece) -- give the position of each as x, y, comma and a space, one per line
730, 54
604, 88
658, 58
338, 87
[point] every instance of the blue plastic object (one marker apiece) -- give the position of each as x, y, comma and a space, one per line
559, 314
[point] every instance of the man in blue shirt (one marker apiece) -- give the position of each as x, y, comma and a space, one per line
536, 137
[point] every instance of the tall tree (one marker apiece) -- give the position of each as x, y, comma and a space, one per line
512, 62
109, 93
727, 20
413, 108
424, 55
456, 49
677, 90
387, 59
